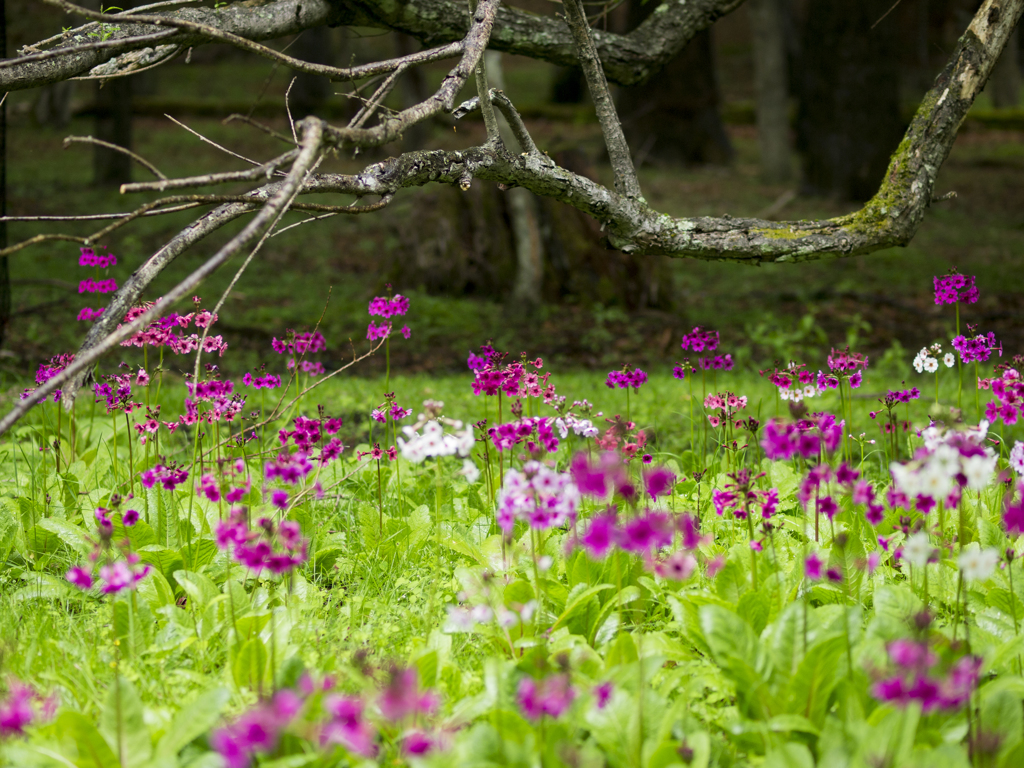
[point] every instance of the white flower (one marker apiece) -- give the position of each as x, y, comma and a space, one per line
931, 365
1017, 458
949, 360
810, 391
979, 470
979, 564
469, 471
918, 549
544, 563
919, 364
905, 478
563, 431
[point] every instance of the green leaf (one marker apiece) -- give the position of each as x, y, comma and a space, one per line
199, 553
625, 596
93, 750
140, 535
731, 581
785, 639
122, 724
738, 653
199, 588
792, 754
816, 676
164, 559
249, 667
519, 592
622, 651
69, 533
578, 604
846, 559
42, 541
193, 720
754, 607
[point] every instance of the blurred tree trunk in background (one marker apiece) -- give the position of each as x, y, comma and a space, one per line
522, 210
1004, 85
675, 116
113, 124
310, 92
848, 122
771, 87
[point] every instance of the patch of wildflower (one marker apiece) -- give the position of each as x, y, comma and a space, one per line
806, 437
978, 348
21, 707
47, 371
538, 495
435, 442
168, 478
700, 340
386, 308
117, 564
257, 731
625, 378
948, 462
505, 436
276, 547
916, 676
1008, 390
549, 696
162, 332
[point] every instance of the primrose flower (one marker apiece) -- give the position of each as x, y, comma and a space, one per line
700, 340
550, 696
914, 678
978, 564
402, 696
953, 288
918, 549
16, 710
539, 495
627, 377
256, 731
978, 348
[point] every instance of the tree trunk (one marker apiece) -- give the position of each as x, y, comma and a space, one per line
1004, 85
675, 116
310, 92
522, 210
766, 23
113, 125
849, 119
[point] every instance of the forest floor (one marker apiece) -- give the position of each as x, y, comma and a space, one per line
878, 302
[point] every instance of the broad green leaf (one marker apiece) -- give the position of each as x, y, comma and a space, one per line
140, 535
164, 559
249, 667
732, 581
624, 597
193, 720
815, 677
198, 553
792, 754
93, 750
69, 533
43, 586
738, 653
578, 603
199, 588
754, 607
621, 651
519, 592
42, 541
122, 724
847, 560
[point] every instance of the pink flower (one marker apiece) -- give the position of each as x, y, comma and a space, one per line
551, 696
16, 710
402, 697
812, 567
80, 577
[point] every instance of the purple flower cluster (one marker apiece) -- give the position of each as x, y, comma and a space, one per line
550, 696
782, 440
1009, 392
954, 288
740, 500
114, 575
168, 477
161, 333
87, 314
513, 380
308, 432
97, 286
700, 340
17, 712
504, 436
257, 731
381, 306
299, 343
539, 495
844, 361
716, 363
48, 370
267, 381
391, 409
89, 258
977, 349
914, 679
627, 377
276, 547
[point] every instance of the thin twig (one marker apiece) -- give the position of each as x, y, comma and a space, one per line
265, 128
211, 142
288, 109
69, 140
266, 170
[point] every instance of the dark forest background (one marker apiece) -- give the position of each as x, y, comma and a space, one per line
784, 109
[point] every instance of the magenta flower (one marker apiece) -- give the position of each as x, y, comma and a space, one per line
659, 481
602, 694
551, 696
954, 288
16, 710
599, 537
80, 577
347, 726
130, 518
402, 697
812, 567
120, 575
700, 340
168, 477
1013, 518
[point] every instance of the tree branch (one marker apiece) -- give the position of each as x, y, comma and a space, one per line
614, 139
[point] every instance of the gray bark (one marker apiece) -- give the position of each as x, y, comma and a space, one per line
766, 24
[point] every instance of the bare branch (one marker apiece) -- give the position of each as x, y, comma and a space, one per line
266, 170
69, 140
515, 121
449, 51
96, 45
615, 140
259, 126
100, 341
